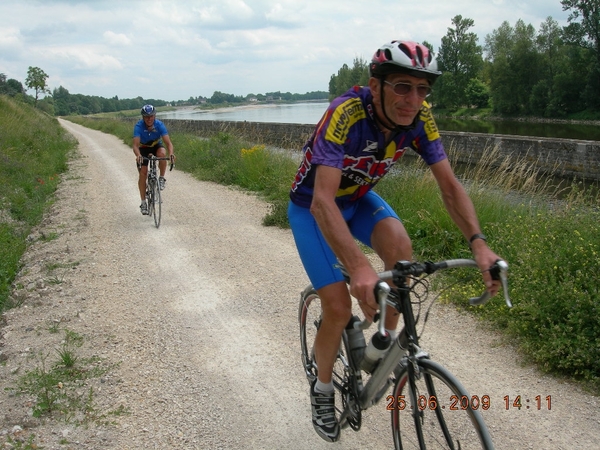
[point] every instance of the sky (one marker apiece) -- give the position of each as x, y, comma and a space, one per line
174, 50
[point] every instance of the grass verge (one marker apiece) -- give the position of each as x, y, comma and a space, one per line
34, 150
61, 387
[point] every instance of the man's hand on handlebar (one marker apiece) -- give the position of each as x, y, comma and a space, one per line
362, 287
485, 259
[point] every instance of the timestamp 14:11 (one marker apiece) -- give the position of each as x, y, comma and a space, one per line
518, 402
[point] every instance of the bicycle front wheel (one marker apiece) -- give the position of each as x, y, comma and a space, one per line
431, 409
156, 200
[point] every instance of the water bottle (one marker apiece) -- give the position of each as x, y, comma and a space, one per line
375, 351
356, 340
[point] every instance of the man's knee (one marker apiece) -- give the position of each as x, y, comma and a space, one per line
336, 304
391, 241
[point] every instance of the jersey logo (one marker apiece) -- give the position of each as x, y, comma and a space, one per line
372, 146
362, 173
303, 169
431, 129
344, 116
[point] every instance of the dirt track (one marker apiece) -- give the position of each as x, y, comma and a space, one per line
200, 319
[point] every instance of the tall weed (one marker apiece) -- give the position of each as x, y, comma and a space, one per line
34, 151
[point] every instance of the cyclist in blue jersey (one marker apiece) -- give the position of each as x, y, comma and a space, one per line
356, 142
150, 137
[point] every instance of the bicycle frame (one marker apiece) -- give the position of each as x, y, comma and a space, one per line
153, 195
153, 167
380, 380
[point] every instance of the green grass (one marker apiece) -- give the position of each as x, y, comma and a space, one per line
61, 387
552, 246
34, 151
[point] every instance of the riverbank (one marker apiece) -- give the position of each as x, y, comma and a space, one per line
552, 156
492, 118
309, 113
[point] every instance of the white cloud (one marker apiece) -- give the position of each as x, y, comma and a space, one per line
189, 47
84, 59
119, 39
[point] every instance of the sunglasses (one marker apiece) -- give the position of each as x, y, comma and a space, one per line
402, 89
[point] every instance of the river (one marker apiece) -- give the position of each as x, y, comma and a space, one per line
311, 112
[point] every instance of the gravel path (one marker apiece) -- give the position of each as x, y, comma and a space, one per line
197, 322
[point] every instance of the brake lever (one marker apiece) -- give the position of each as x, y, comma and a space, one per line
499, 271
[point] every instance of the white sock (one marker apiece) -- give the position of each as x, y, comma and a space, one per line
323, 388
392, 334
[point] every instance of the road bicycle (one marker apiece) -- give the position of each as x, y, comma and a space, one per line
429, 407
153, 197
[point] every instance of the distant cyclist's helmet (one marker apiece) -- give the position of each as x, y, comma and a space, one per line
148, 110
404, 57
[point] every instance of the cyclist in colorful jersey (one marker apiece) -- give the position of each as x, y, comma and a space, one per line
356, 142
150, 137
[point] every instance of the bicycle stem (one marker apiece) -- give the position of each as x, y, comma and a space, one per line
382, 289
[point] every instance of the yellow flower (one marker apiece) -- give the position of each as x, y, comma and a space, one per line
249, 151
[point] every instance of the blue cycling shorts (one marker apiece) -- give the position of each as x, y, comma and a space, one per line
147, 151
319, 261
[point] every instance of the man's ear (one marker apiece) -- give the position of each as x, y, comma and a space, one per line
374, 84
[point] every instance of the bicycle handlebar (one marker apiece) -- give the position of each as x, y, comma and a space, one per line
403, 269
155, 158
499, 271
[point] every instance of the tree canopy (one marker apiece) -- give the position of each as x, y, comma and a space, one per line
519, 71
36, 80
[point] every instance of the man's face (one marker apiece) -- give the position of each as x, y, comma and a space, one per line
401, 109
149, 121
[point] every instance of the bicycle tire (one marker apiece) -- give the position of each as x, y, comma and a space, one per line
156, 201
309, 316
435, 412
149, 197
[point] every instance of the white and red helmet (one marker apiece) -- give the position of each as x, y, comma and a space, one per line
404, 57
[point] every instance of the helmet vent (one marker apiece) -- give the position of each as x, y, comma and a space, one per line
406, 50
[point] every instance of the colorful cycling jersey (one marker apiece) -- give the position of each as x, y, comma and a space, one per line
150, 137
347, 137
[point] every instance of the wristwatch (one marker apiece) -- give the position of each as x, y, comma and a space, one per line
477, 236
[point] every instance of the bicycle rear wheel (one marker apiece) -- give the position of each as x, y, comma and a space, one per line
309, 315
156, 202
433, 410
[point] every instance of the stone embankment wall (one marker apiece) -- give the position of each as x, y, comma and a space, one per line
558, 157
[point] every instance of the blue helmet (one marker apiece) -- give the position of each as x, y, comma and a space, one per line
148, 110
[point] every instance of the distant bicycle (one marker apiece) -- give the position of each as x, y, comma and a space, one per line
153, 188
429, 407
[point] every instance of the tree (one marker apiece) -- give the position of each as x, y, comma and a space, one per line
584, 31
10, 87
461, 60
525, 63
36, 79
477, 94
549, 46
514, 60
348, 77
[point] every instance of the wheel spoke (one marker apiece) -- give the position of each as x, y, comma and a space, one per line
434, 411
